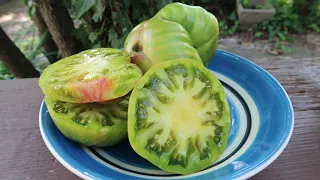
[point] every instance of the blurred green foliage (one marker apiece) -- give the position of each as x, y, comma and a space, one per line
27, 40
247, 4
291, 16
5, 73
103, 23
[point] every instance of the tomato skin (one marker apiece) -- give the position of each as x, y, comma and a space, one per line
155, 41
201, 25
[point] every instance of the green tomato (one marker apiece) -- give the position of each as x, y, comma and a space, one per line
201, 25
91, 124
93, 75
155, 41
178, 117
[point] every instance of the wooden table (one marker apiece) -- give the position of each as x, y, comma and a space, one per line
23, 154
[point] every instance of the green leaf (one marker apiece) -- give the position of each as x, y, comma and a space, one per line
285, 49
223, 26
123, 38
113, 38
6, 76
4, 72
96, 16
233, 28
277, 44
137, 12
31, 11
98, 45
314, 27
233, 16
100, 7
112, 34
258, 34
245, 3
125, 24
82, 6
26, 2
93, 36
81, 34
281, 36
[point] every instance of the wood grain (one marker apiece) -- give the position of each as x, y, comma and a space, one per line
301, 158
60, 26
24, 155
49, 46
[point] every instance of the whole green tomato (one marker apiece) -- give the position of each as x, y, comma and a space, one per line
177, 31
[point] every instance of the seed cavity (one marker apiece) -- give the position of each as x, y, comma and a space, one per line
178, 159
188, 83
191, 147
155, 83
63, 107
162, 74
198, 143
80, 120
85, 114
176, 71
218, 135
123, 105
207, 123
220, 109
170, 143
158, 149
202, 92
59, 108
106, 120
205, 153
164, 99
65, 92
141, 114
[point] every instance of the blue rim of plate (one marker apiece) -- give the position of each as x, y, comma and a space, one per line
262, 123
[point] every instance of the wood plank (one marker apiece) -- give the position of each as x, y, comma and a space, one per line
301, 158
24, 155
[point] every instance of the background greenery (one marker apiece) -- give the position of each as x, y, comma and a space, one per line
106, 23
